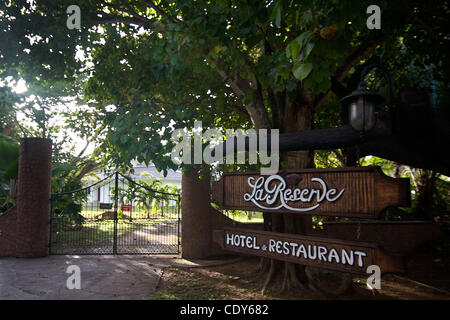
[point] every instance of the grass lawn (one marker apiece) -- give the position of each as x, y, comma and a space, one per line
93, 212
97, 232
98, 228
255, 217
93, 233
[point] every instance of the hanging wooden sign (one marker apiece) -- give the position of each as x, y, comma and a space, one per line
349, 192
106, 205
346, 256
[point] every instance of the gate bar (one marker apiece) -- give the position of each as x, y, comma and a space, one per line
116, 204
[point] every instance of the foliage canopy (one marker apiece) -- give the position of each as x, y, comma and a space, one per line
144, 67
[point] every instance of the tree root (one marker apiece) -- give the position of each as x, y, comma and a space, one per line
270, 276
287, 275
319, 280
264, 265
290, 278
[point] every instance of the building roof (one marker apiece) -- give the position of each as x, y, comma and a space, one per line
139, 168
174, 176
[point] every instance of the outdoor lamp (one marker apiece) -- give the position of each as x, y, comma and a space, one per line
362, 102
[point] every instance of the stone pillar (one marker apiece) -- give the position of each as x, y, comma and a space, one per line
196, 233
33, 198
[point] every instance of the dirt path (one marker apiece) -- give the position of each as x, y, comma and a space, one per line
158, 238
241, 280
161, 237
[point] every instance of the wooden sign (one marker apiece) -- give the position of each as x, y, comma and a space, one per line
346, 256
106, 205
349, 192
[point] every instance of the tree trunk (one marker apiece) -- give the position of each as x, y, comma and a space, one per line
287, 115
297, 116
425, 191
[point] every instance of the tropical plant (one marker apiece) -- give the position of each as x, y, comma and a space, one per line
9, 162
147, 194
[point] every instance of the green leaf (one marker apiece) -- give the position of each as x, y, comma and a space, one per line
308, 49
304, 38
288, 51
124, 139
324, 85
294, 48
278, 16
9, 152
179, 114
302, 70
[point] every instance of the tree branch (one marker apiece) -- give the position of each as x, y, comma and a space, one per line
239, 109
352, 60
124, 20
129, 10
83, 150
161, 12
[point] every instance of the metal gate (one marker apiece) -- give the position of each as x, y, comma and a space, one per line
115, 216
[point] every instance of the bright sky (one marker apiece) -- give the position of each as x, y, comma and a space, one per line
79, 143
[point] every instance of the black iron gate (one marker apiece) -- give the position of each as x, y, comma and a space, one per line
115, 216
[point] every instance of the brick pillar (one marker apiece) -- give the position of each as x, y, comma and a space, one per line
33, 195
196, 233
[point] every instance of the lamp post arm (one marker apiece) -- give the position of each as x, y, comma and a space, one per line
324, 139
365, 72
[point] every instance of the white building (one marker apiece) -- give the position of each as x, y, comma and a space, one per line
102, 192
172, 178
